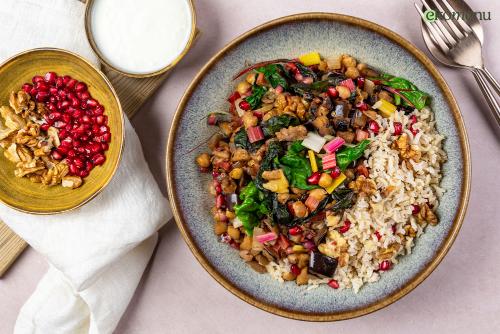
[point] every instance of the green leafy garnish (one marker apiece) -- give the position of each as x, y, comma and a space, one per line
296, 167
252, 207
344, 198
273, 74
349, 154
268, 163
306, 71
276, 123
405, 90
256, 98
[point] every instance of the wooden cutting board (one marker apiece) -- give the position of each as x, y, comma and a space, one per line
132, 93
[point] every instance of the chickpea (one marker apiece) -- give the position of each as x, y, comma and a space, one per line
243, 87
352, 72
234, 233
288, 276
325, 180
318, 194
246, 243
250, 78
299, 209
348, 61
230, 214
344, 92
220, 227
293, 258
303, 260
249, 119
236, 173
203, 160
361, 67
303, 277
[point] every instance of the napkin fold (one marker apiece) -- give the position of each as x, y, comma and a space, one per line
96, 253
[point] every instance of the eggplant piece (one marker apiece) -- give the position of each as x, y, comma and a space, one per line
359, 120
322, 265
341, 123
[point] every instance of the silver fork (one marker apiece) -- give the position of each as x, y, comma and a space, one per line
456, 40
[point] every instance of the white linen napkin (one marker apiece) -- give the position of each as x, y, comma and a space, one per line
97, 253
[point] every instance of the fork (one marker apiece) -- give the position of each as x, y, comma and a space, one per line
456, 39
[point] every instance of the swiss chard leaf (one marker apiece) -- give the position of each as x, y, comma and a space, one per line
406, 89
252, 208
306, 71
296, 167
349, 154
255, 98
276, 123
273, 74
316, 87
344, 198
268, 163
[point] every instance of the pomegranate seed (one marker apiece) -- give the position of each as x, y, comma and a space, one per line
73, 169
50, 77
37, 78
414, 131
59, 82
63, 133
373, 126
99, 110
377, 234
85, 119
42, 86
84, 96
360, 82
103, 129
346, 227
385, 265
55, 116
89, 165
333, 284
57, 155
362, 106
398, 128
75, 103
83, 173
71, 84
71, 153
99, 119
220, 201
80, 87
295, 269
33, 92
299, 77
394, 229
62, 149
92, 103
66, 118
62, 93
234, 245
42, 96
105, 146
107, 137
27, 87
296, 230
98, 159
314, 178
234, 97
332, 92
225, 238
60, 124
66, 79
65, 104
79, 163
335, 172
68, 141
77, 113
245, 105
52, 107
53, 100
44, 127
413, 119
415, 209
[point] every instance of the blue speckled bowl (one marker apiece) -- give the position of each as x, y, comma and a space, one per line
287, 38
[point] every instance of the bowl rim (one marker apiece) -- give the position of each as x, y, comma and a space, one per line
122, 123
90, 38
464, 194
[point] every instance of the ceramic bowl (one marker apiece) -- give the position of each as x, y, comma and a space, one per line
22, 194
330, 34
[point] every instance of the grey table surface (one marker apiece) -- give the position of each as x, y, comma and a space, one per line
177, 296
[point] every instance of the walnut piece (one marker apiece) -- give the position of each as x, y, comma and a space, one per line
426, 215
72, 182
292, 133
363, 186
406, 151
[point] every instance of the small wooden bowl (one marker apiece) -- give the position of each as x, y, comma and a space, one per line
22, 194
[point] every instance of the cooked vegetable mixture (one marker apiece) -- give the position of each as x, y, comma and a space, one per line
317, 168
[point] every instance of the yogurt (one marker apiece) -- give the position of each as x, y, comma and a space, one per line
141, 37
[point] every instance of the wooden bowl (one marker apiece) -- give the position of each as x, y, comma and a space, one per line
21, 193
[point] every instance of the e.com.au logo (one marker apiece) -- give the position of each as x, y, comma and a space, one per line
432, 15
